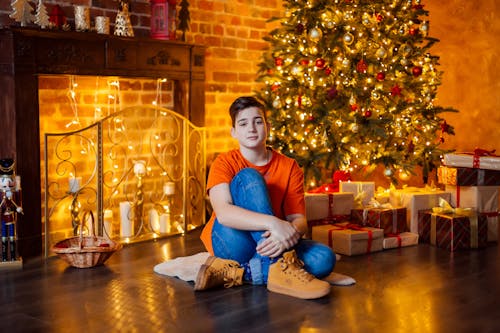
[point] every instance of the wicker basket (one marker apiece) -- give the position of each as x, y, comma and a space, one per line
86, 251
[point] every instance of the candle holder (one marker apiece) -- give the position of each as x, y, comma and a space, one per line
138, 204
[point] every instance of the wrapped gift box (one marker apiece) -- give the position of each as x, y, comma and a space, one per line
484, 199
349, 239
363, 191
480, 159
392, 220
453, 231
416, 199
328, 208
400, 240
468, 176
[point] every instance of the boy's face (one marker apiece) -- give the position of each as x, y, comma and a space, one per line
250, 128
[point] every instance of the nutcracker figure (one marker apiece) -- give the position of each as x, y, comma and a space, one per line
9, 208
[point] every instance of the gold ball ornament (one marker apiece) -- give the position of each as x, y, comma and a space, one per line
403, 175
327, 20
388, 172
315, 34
277, 103
381, 52
348, 38
375, 95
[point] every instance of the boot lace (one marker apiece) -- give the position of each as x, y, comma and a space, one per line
293, 265
228, 274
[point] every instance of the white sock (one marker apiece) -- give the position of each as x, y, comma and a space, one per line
338, 279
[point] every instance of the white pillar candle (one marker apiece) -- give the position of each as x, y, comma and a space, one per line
126, 220
102, 25
154, 220
108, 224
169, 188
74, 184
165, 223
82, 18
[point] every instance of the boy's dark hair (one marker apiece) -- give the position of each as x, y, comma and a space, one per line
242, 103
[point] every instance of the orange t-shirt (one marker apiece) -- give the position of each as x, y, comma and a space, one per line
283, 176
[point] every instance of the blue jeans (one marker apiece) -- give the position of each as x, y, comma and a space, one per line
249, 191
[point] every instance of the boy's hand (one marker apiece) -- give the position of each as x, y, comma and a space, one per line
280, 237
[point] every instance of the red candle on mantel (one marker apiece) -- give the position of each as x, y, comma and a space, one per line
163, 19
56, 17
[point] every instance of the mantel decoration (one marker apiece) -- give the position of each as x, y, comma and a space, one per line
22, 12
123, 26
163, 13
10, 207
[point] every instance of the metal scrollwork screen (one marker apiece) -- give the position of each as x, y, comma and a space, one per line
141, 171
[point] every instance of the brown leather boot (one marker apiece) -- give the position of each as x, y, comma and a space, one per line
217, 272
287, 276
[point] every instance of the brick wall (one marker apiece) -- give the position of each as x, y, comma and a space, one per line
232, 30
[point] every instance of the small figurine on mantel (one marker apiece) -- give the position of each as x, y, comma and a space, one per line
123, 26
10, 206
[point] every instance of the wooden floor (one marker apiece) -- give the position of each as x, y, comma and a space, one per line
414, 289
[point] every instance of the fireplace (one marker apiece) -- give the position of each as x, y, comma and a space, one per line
64, 79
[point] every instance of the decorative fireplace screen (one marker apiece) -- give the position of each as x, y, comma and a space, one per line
141, 171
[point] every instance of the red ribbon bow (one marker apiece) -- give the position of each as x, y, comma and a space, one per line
478, 152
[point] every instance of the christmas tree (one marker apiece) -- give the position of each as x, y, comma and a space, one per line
41, 16
351, 84
22, 12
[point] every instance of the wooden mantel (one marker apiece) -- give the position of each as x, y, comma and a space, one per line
26, 53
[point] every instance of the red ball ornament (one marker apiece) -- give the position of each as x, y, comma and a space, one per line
331, 93
396, 90
416, 71
299, 28
278, 61
304, 62
380, 76
361, 66
413, 31
320, 63
328, 71
354, 107
379, 17
368, 113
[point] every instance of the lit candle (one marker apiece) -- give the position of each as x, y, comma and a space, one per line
108, 224
165, 223
169, 188
126, 220
154, 219
74, 184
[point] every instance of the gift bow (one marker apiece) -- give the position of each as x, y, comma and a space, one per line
374, 203
445, 208
478, 152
